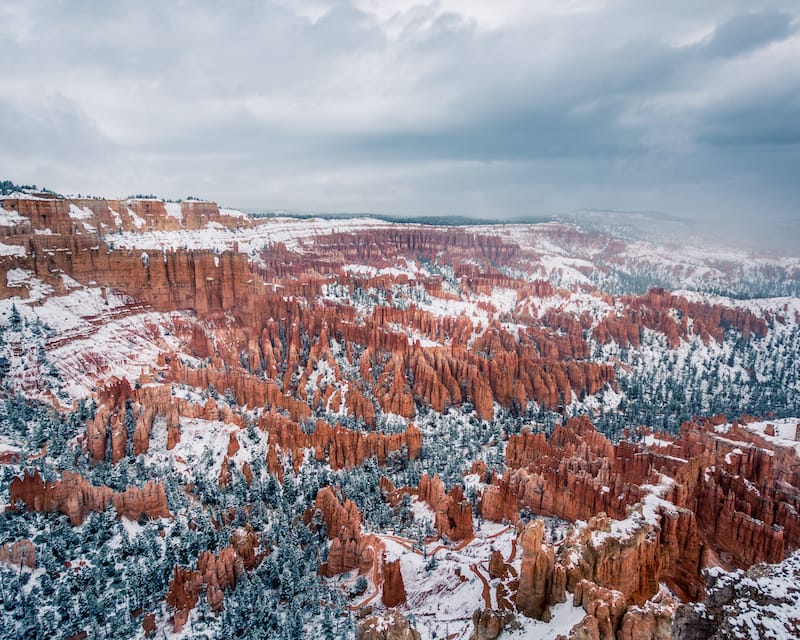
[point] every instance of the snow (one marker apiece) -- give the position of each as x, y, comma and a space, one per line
739, 444
764, 601
422, 512
785, 431
565, 615
10, 217
641, 514
66, 313
233, 213
173, 210
504, 300
201, 440
18, 278
440, 601
651, 441
121, 348
78, 213
93, 334
565, 269
411, 270
117, 219
12, 250
292, 232
70, 283
22, 195
137, 220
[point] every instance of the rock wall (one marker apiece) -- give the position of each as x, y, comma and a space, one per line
73, 496
19, 554
540, 584
393, 593
349, 548
717, 495
453, 513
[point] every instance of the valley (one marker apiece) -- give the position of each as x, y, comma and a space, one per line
219, 425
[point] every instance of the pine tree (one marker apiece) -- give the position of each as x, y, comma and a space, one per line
14, 319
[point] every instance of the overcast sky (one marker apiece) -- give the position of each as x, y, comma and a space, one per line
400, 106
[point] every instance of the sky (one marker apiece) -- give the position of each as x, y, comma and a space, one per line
501, 108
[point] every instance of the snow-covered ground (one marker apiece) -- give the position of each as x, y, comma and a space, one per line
202, 448
87, 336
291, 231
761, 603
447, 583
564, 616
786, 430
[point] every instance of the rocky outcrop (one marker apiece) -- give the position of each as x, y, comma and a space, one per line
214, 574
488, 624
657, 310
349, 548
627, 558
740, 487
19, 554
391, 625
604, 608
273, 342
538, 588
761, 602
149, 625
224, 477
73, 496
453, 513
653, 620
497, 564
393, 593
573, 475
706, 492
66, 216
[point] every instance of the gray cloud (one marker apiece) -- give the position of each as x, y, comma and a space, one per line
746, 31
410, 107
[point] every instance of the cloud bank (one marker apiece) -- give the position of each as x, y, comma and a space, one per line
453, 106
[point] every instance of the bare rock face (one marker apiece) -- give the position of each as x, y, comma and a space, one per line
728, 494
149, 625
497, 564
72, 495
343, 448
733, 498
349, 548
19, 554
535, 592
488, 624
390, 626
653, 620
233, 445
654, 311
182, 596
150, 502
75, 497
224, 477
341, 516
604, 608
214, 573
274, 464
394, 591
628, 562
453, 512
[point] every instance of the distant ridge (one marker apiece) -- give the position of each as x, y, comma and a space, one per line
454, 220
